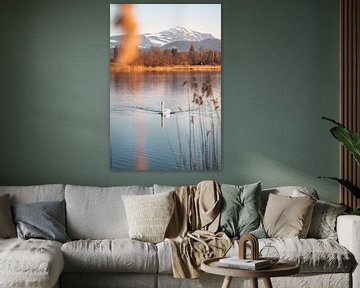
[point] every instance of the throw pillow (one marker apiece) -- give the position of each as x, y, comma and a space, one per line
323, 222
44, 220
288, 217
7, 227
240, 213
149, 215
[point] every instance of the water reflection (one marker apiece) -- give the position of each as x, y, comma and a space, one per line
187, 139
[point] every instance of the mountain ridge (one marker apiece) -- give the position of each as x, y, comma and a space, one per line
177, 37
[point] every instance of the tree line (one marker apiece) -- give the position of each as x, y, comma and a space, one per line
169, 57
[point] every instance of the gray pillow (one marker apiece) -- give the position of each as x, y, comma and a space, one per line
240, 213
7, 227
44, 220
323, 222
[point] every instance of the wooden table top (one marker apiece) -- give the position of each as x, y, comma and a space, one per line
281, 268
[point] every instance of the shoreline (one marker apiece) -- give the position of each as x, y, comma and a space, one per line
180, 68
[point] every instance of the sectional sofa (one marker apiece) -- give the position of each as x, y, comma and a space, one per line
100, 253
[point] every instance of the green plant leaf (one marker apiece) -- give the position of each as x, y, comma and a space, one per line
347, 184
349, 139
355, 211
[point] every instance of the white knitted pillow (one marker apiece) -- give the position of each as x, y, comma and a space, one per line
149, 215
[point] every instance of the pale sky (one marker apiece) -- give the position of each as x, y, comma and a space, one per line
205, 18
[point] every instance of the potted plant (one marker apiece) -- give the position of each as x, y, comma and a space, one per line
351, 141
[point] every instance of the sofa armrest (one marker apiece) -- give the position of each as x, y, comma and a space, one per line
348, 230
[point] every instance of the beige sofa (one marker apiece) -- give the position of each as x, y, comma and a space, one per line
101, 254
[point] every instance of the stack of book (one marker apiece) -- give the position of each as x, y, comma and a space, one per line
248, 264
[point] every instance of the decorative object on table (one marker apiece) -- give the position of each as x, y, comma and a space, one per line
351, 141
269, 253
282, 268
165, 86
241, 261
254, 246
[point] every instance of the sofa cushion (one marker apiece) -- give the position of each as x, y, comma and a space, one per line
43, 220
323, 222
163, 188
98, 213
109, 280
149, 215
287, 216
30, 263
240, 210
7, 226
291, 191
313, 255
117, 255
36, 193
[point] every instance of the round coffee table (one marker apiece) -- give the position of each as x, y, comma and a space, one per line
281, 268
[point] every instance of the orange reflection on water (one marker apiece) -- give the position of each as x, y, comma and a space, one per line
135, 82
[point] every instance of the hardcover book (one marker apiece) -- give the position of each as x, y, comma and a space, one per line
236, 262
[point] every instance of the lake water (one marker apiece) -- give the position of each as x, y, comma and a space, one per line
187, 139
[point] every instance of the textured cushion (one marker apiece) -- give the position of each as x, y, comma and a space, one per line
117, 255
149, 215
98, 213
287, 216
31, 263
323, 222
44, 220
240, 210
36, 193
7, 227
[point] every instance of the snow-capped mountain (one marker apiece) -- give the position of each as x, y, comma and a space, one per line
176, 34
165, 37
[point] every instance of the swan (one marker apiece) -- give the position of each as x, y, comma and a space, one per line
164, 111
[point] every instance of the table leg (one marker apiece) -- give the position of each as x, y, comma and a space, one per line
227, 282
254, 282
267, 283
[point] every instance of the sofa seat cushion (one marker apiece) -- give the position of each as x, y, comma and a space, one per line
115, 255
313, 255
30, 263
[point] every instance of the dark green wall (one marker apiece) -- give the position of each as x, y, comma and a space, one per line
280, 76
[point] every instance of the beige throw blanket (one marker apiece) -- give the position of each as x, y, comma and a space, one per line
190, 232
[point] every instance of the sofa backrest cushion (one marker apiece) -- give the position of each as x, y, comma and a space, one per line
163, 188
37, 193
292, 191
98, 213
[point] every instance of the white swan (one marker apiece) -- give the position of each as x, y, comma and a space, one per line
164, 111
